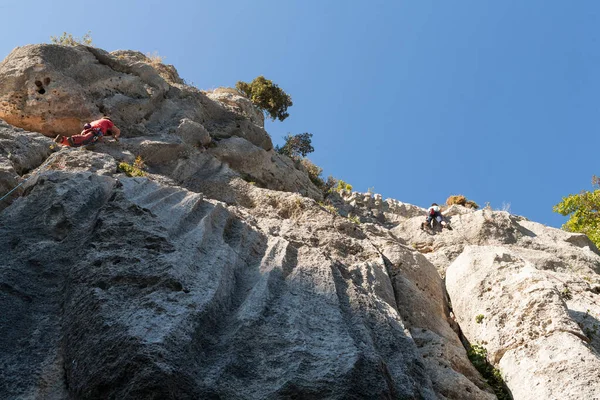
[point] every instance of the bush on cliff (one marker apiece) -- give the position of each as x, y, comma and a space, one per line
297, 145
583, 210
67, 39
267, 96
326, 186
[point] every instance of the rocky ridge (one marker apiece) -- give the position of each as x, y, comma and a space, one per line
193, 283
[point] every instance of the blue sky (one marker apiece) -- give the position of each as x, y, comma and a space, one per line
496, 100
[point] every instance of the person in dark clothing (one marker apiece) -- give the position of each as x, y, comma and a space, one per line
434, 212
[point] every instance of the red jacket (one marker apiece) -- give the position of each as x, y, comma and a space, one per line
103, 124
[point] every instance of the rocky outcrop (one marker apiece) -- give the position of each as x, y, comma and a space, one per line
233, 101
221, 274
527, 293
55, 89
370, 207
536, 324
20, 153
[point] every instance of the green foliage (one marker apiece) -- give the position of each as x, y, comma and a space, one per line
267, 96
330, 183
479, 318
67, 39
341, 185
297, 145
583, 210
478, 356
354, 219
326, 186
314, 172
131, 170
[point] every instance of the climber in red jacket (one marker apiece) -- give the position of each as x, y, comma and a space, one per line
91, 133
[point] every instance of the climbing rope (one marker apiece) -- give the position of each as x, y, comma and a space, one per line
25, 180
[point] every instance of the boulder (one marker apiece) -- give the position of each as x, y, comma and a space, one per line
193, 133
232, 100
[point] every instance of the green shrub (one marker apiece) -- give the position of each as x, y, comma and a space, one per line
354, 219
67, 39
314, 172
479, 318
297, 145
478, 356
326, 186
341, 185
583, 210
130, 170
330, 183
267, 96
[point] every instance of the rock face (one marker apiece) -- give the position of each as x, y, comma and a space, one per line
232, 100
193, 283
534, 332
528, 293
134, 289
55, 89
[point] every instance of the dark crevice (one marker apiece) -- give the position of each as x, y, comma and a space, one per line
388, 267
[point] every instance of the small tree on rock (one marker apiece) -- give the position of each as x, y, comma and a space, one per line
267, 96
296, 146
583, 210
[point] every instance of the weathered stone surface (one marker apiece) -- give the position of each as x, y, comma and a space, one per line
193, 133
150, 105
57, 89
526, 322
161, 291
20, 152
194, 283
237, 103
266, 168
370, 207
566, 251
143, 287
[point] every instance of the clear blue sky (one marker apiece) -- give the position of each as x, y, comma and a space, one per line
496, 100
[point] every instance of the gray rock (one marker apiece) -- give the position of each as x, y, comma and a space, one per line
232, 100
57, 89
266, 168
523, 316
143, 289
193, 133
220, 275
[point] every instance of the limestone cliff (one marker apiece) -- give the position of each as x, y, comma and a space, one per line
192, 283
